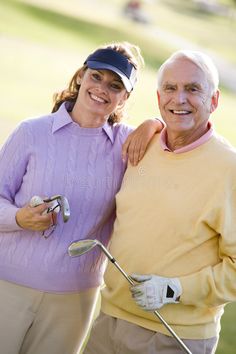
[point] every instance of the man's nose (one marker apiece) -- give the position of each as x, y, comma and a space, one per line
180, 96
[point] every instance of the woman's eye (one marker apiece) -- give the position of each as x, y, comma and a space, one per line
116, 87
96, 77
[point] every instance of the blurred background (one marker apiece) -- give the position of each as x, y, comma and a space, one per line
43, 42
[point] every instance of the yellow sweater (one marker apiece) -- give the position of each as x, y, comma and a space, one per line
176, 217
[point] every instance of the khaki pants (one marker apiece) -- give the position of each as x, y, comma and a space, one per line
34, 322
114, 336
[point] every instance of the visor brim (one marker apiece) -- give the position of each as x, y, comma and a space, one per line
104, 66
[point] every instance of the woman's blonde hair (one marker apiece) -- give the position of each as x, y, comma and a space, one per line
70, 94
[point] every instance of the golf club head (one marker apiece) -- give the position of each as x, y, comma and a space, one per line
64, 205
77, 248
65, 208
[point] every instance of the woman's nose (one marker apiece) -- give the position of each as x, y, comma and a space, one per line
103, 85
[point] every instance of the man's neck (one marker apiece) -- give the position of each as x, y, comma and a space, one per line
178, 140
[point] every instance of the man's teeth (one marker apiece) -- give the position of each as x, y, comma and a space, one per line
98, 99
180, 112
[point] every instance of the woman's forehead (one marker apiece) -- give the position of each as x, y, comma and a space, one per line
108, 73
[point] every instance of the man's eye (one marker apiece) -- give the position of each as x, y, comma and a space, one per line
193, 89
169, 88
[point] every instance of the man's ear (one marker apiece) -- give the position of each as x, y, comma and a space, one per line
158, 97
214, 101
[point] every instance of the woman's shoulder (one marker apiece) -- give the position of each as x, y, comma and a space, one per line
37, 124
122, 129
37, 120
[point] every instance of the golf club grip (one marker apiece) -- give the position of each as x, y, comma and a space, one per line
130, 280
86, 245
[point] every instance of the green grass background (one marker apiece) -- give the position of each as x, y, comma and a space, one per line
43, 42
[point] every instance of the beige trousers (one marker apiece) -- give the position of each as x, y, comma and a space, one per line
34, 322
110, 335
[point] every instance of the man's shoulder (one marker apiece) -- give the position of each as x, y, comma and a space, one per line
224, 157
225, 146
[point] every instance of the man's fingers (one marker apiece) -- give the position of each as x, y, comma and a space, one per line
140, 277
136, 292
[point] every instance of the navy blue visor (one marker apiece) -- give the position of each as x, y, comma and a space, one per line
109, 59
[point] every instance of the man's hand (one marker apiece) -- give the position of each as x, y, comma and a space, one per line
153, 291
137, 142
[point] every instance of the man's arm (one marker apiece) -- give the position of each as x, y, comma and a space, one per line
211, 286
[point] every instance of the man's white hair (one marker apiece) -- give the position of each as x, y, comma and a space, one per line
201, 60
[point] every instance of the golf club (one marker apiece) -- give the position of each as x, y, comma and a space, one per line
77, 248
62, 203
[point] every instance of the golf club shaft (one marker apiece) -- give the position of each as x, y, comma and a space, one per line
129, 279
181, 343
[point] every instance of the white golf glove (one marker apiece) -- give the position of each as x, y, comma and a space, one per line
153, 291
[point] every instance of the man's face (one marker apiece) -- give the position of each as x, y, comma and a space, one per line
185, 99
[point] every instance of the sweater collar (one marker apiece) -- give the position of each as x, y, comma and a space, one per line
61, 118
204, 138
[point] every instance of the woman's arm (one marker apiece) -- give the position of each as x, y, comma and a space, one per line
137, 142
14, 157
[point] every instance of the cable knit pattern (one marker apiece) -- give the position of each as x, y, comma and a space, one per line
53, 155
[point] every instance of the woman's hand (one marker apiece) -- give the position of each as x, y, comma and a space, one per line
137, 142
34, 218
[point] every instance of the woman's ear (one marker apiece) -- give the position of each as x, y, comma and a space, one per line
123, 100
78, 80
80, 76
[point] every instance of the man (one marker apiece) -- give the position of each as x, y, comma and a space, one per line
175, 227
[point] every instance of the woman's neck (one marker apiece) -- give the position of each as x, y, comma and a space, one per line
86, 119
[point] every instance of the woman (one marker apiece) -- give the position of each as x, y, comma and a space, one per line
47, 298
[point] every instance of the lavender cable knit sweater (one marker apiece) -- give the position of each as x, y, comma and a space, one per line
53, 155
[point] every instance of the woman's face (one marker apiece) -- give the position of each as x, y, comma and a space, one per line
101, 92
